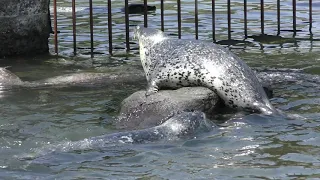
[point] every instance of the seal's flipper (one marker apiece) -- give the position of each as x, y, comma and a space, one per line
152, 88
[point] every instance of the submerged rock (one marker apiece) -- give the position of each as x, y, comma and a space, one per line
8, 79
85, 79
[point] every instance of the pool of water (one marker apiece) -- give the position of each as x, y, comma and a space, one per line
51, 124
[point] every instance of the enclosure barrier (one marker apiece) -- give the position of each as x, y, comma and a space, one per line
145, 15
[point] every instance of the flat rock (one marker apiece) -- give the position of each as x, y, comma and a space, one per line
139, 112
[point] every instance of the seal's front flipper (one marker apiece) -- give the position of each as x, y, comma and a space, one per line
152, 88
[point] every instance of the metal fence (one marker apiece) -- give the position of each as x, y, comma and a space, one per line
162, 15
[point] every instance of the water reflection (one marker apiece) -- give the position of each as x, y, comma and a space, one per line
205, 23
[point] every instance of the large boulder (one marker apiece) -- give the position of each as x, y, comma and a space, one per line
140, 112
24, 27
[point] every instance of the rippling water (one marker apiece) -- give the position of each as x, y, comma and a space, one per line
52, 124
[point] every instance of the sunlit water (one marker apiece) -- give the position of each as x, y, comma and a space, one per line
54, 124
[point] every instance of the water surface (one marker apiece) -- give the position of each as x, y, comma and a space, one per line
52, 124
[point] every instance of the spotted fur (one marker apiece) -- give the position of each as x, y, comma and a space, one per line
175, 63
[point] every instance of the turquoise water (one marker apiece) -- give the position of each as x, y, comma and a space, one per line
51, 124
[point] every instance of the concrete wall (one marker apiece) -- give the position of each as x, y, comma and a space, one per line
24, 27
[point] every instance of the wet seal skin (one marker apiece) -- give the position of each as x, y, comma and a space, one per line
180, 125
186, 124
175, 63
9, 80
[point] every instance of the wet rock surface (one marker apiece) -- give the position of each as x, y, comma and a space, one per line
138, 111
7, 78
24, 27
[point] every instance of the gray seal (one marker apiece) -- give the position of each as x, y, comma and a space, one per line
179, 126
174, 63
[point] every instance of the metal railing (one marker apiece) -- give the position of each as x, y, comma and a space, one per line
179, 21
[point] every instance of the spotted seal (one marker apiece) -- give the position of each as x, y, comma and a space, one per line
175, 63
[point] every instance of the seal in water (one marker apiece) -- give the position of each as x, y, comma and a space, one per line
183, 125
174, 63
180, 125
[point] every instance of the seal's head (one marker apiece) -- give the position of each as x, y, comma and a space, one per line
186, 123
147, 36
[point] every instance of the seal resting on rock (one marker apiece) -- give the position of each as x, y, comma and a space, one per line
174, 63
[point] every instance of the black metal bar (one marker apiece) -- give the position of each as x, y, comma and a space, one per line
162, 16
262, 15
213, 21
196, 17
110, 27
245, 17
278, 15
74, 27
91, 27
310, 15
294, 15
179, 18
127, 24
145, 2
55, 21
229, 19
